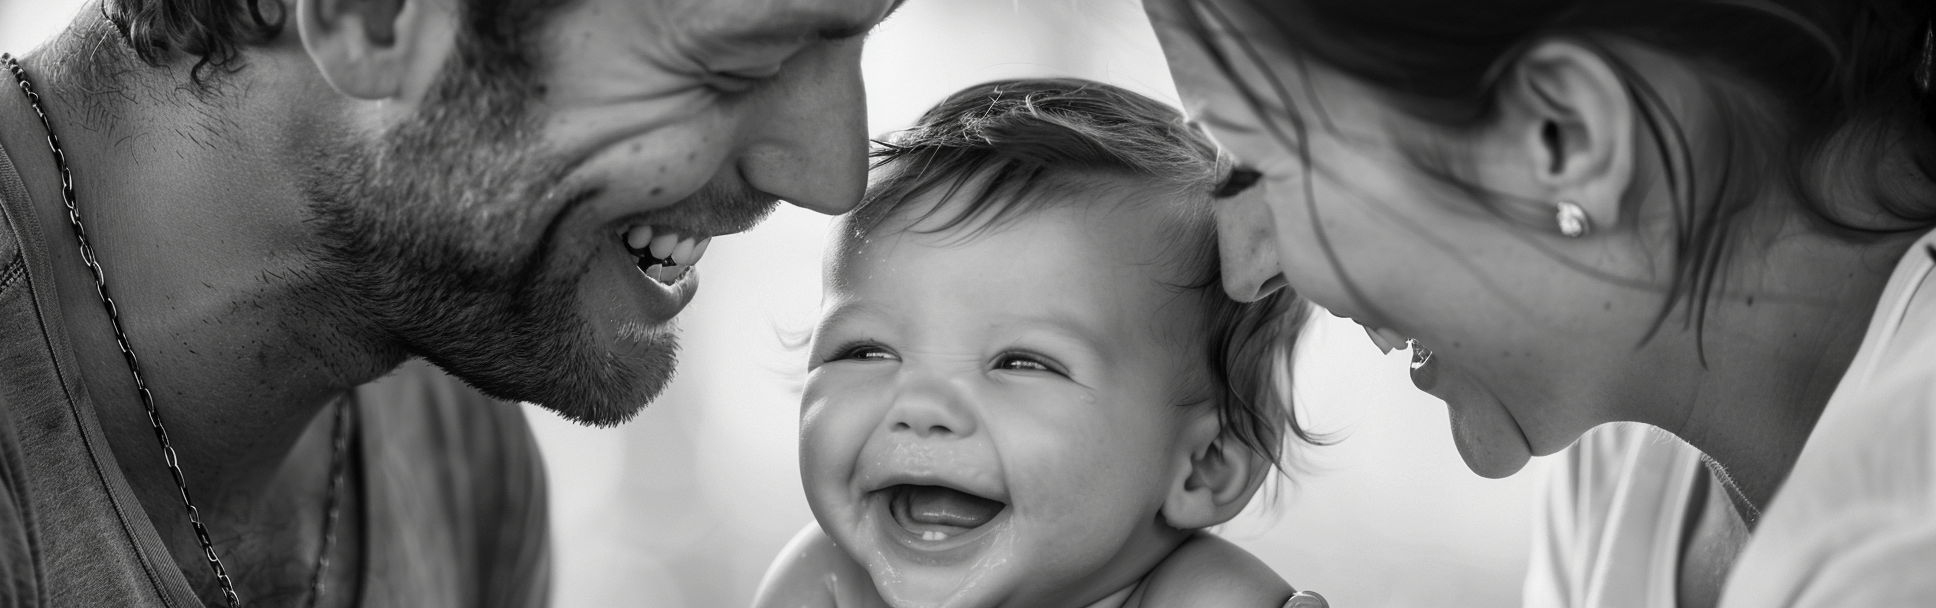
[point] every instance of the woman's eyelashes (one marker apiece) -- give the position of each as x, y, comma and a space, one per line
1241, 178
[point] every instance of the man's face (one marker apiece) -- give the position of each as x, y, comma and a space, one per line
488, 232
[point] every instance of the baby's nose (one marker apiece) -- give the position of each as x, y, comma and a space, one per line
931, 410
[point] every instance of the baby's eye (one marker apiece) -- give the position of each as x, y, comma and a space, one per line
1241, 178
863, 352
1027, 362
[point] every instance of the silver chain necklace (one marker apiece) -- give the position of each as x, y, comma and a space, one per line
339, 438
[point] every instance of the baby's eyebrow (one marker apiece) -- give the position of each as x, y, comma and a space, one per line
842, 312
1069, 325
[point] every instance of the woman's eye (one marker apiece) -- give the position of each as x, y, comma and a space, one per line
1240, 179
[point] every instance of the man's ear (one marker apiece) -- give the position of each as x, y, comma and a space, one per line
1570, 118
376, 49
1216, 476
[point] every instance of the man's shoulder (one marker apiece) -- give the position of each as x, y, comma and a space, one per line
13, 201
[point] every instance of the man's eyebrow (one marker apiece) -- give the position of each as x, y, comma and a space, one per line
788, 28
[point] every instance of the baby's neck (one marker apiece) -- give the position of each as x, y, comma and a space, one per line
1128, 597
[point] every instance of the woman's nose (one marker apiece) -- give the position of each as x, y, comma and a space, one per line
1247, 248
932, 408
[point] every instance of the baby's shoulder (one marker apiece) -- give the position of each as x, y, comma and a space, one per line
1210, 572
812, 572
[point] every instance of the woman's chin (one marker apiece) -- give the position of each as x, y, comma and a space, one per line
1485, 433
1486, 459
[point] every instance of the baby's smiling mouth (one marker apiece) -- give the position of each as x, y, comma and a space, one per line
935, 513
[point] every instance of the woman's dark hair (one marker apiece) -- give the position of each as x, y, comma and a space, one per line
215, 31
1012, 148
1806, 97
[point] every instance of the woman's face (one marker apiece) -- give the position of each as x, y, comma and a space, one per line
1536, 337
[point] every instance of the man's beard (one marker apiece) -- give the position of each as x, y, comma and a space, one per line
445, 235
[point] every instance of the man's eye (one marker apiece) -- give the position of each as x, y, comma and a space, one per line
740, 81
1240, 179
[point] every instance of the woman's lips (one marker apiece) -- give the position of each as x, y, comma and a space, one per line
1425, 372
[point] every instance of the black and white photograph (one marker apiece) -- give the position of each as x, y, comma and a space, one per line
1013, 304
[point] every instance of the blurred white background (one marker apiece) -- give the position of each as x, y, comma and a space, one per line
685, 506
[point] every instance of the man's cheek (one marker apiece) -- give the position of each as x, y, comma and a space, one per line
653, 168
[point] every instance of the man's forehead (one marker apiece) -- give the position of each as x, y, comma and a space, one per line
779, 21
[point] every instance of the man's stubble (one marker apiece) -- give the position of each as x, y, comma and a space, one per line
429, 233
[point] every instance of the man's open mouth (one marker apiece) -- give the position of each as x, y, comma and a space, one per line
665, 254
935, 513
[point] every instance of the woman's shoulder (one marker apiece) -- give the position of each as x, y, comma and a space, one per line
1210, 572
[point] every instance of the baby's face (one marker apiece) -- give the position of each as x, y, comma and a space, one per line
996, 420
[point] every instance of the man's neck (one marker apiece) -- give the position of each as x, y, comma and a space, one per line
193, 207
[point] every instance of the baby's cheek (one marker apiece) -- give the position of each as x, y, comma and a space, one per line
1078, 484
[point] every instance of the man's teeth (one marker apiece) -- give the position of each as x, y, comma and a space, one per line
638, 237
665, 248
663, 245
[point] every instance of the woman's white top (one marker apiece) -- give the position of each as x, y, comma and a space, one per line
1608, 531
1854, 524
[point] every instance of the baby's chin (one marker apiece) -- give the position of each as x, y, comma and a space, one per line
981, 585
987, 576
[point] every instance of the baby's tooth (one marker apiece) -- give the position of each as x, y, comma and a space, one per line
933, 535
638, 237
662, 245
683, 253
699, 251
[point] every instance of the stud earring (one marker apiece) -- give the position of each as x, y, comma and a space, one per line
1572, 219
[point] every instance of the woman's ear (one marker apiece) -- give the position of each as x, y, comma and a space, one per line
377, 49
1216, 476
1569, 117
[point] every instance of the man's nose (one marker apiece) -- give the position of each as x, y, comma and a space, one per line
808, 132
932, 408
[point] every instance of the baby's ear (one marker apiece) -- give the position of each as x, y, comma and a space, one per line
1216, 475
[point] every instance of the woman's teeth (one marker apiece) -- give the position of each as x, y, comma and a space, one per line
1387, 340
664, 255
1420, 354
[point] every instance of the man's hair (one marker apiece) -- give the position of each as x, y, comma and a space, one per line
215, 31
1015, 147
